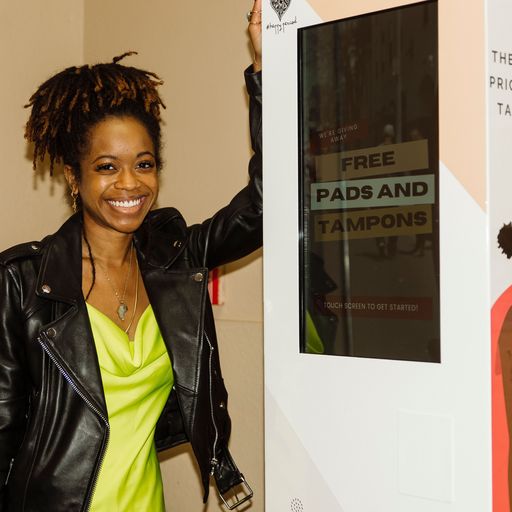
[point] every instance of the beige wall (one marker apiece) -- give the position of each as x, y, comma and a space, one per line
200, 51
37, 39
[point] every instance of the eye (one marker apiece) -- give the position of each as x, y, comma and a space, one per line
146, 165
107, 166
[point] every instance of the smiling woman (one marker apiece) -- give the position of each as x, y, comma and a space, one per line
108, 351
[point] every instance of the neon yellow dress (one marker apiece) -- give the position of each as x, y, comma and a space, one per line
137, 378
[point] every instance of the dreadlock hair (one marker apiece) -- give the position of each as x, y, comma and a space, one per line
69, 104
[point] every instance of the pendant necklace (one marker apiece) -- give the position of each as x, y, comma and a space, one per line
123, 307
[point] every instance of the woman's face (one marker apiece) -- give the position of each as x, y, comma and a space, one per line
118, 176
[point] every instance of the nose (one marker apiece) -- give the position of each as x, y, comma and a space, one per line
126, 180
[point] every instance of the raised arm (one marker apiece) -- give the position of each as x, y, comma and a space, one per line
236, 230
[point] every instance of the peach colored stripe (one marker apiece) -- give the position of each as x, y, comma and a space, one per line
462, 108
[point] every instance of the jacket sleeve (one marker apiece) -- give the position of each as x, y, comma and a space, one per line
13, 390
236, 230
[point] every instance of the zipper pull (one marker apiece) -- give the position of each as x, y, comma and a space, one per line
9, 472
213, 465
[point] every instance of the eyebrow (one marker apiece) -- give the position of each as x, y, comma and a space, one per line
113, 157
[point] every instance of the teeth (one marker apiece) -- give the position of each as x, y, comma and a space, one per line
126, 204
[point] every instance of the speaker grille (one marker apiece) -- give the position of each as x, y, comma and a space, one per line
296, 505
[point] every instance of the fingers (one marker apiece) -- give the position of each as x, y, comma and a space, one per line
254, 16
254, 19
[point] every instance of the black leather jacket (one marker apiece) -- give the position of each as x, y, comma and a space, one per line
53, 418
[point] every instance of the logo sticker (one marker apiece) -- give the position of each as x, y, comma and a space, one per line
280, 6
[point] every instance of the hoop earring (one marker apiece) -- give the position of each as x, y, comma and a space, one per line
74, 201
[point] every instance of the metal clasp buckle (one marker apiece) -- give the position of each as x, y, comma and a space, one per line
247, 489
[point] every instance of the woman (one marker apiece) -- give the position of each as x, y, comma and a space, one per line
100, 320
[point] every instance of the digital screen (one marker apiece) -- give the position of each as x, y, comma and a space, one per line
369, 185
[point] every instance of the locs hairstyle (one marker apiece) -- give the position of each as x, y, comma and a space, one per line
69, 104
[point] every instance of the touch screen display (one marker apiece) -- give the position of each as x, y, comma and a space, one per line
369, 185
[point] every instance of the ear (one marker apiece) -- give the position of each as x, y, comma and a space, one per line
69, 174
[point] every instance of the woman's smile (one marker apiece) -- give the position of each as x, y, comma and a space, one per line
126, 203
128, 206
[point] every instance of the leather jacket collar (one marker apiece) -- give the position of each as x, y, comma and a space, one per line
158, 241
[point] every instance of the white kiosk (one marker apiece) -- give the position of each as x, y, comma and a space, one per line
387, 141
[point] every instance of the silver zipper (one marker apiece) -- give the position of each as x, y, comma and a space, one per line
214, 462
90, 405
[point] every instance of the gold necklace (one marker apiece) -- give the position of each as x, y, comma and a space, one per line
123, 307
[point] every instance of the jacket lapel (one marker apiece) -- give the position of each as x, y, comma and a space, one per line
177, 295
68, 338
178, 300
